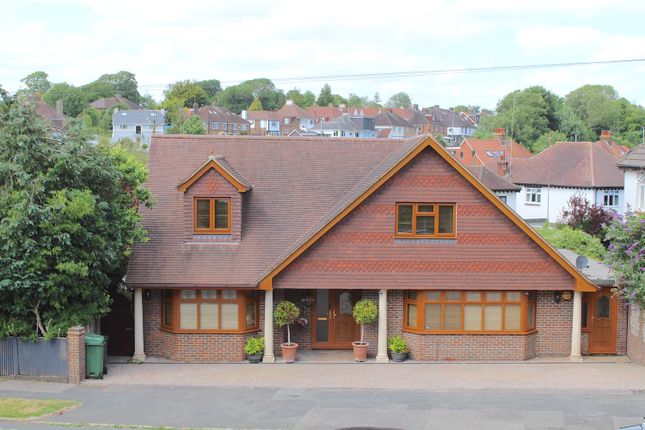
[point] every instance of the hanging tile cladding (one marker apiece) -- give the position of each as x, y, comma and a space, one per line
490, 252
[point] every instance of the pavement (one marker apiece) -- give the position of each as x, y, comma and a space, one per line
596, 395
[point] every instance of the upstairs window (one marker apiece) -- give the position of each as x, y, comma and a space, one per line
610, 198
425, 220
534, 196
212, 215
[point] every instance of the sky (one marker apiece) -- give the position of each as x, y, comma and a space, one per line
76, 41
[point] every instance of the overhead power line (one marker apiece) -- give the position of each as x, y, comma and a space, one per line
435, 72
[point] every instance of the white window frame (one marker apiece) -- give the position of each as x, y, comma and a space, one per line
640, 193
610, 198
533, 196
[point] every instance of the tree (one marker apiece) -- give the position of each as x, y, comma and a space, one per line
107, 85
239, 97
337, 100
573, 126
212, 87
547, 139
187, 93
364, 312
399, 100
236, 98
582, 215
303, 100
193, 125
575, 240
376, 101
73, 98
256, 105
626, 256
148, 102
325, 98
355, 100
597, 106
285, 314
460, 108
37, 82
69, 213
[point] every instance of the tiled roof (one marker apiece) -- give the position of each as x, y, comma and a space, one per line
108, 102
219, 114
613, 148
569, 164
446, 118
141, 116
292, 110
47, 113
262, 115
490, 151
492, 180
327, 112
413, 116
597, 272
634, 159
389, 119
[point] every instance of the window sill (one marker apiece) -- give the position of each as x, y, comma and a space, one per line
175, 331
532, 204
419, 240
468, 333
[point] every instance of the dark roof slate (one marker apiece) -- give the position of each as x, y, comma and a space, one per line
492, 180
634, 159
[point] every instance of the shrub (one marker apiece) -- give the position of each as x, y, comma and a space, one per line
397, 344
285, 314
365, 312
575, 240
590, 218
254, 345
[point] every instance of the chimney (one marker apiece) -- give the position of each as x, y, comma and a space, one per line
605, 135
502, 167
59, 108
244, 114
499, 133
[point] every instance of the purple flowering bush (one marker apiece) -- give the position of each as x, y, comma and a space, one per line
626, 255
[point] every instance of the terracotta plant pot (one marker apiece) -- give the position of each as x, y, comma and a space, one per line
360, 351
289, 352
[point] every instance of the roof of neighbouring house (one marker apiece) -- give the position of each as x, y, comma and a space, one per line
390, 119
47, 112
344, 123
446, 118
140, 117
569, 164
597, 272
490, 151
262, 115
327, 112
413, 116
219, 114
292, 110
108, 102
293, 202
634, 159
492, 180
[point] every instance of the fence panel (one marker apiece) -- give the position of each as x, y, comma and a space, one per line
43, 358
8, 357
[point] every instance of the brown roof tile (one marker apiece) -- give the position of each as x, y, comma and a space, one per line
492, 180
108, 102
219, 114
634, 159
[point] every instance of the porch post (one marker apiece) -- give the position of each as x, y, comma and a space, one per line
139, 354
268, 327
576, 327
381, 356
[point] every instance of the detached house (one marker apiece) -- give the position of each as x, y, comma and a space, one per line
293, 117
242, 223
492, 153
347, 126
218, 120
389, 124
138, 125
263, 122
633, 165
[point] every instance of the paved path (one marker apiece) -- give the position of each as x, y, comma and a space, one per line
480, 396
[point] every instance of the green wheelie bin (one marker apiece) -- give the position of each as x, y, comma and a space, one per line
94, 355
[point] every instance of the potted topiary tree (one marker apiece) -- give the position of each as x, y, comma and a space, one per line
254, 349
365, 312
285, 314
398, 347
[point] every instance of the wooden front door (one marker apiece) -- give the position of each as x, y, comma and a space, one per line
602, 329
333, 325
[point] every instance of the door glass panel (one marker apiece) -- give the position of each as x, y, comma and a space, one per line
412, 316
446, 219
432, 317
425, 225
602, 307
322, 309
493, 318
345, 303
473, 317
208, 316
585, 313
452, 317
513, 317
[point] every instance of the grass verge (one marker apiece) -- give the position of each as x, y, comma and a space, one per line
24, 409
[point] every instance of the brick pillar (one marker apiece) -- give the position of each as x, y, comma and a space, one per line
75, 354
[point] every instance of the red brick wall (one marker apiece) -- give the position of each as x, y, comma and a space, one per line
76, 354
553, 324
361, 252
636, 335
212, 184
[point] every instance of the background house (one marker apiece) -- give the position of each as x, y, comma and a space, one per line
389, 124
633, 165
138, 125
294, 117
493, 153
347, 126
106, 103
218, 120
449, 124
262, 122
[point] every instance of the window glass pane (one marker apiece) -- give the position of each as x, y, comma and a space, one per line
602, 307
472, 317
493, 318
404, 219
493, 296
453, 296
167, 313
585, 310
203, 214
229, 294
209, 294
208, 316
452, 317
425, 225
513, 317
188, 316
473, 296
412, 315
446, 219
432, 317
433, 295
251, 318
412, 295
513, 296
188, 294
221, 214
530, 317
229, 316
426, 208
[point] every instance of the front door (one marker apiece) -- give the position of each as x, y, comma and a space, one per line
333, 324
602, 333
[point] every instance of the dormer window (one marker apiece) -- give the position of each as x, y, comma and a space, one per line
212, 215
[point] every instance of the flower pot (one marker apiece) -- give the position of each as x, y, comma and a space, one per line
360, 351
399, 356
289, 352
255, 358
